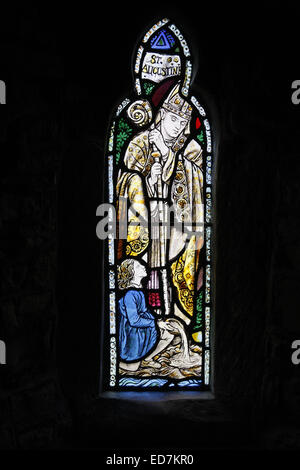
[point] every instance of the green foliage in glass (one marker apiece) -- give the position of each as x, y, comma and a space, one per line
124, 132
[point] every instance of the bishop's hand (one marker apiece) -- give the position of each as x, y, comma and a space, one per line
156, 138
156, 170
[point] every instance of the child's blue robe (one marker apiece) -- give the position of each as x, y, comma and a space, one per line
137, 329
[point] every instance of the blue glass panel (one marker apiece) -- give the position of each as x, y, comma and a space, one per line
162, 40
132, 382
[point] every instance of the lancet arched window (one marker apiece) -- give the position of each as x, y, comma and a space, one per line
159, 155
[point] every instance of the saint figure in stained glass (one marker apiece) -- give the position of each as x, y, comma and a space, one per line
159, 167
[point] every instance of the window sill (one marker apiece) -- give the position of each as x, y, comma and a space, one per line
194, 406
158, 396
170, 419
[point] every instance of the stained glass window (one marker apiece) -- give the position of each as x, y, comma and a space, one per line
158, 256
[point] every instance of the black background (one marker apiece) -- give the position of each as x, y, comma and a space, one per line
65, 68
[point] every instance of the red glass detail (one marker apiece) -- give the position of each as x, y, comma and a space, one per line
198, 123
154, 299
161, 91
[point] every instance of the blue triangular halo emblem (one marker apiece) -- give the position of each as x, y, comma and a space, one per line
161, 41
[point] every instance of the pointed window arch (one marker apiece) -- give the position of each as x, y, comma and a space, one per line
159, 165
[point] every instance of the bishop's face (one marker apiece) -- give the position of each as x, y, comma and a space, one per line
172, 125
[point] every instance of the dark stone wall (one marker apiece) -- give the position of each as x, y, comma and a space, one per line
51, 142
